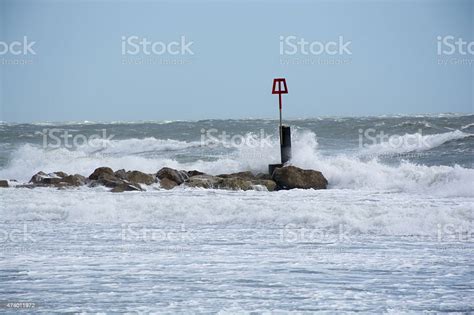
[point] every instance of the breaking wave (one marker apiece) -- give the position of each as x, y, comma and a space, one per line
344, 171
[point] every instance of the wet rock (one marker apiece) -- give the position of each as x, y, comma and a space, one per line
244, 175
269, 184
56, 179
137, 177
38, 177
176, 176
3, 183
202, 181
60, 174
234, 183
122, 174
194, 173
98, 172
75, 180
264, 176
230, 183
290, 177
167, 183
125, 187
117, 184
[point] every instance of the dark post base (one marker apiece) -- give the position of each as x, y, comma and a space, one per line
285, 144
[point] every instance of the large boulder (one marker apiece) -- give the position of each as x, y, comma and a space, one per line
176, 176
290, 177
98, 172
117, 184
138, 177
243, 175
105, 176
57, 179
74, 180
202, 181
3, 183
166, 183
194, 173
230, 183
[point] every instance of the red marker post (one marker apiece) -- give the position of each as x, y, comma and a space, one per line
279, 87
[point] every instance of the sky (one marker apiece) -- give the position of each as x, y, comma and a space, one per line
217, 60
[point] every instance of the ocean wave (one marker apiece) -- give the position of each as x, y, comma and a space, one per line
467, 126
343, 171
422, 123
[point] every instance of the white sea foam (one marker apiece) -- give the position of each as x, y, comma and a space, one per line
467, 126
359, 211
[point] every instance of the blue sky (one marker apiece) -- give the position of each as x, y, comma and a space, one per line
79, 71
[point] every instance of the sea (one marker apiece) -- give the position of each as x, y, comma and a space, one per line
392, 233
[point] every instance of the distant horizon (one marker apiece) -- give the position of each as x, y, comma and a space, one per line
164, 121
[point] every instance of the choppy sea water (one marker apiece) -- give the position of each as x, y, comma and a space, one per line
393, 233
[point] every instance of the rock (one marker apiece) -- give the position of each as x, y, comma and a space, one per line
3, 183
117, 184
74, 180
202, 181
125, 187
194, 173
38, 177
176, 176
167, 183
137, 177
232, 183
244, 175
101, 171
52, 180
290, 177
43, 179
264, 176
60, 174
269, 184
122, 174
57, 179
